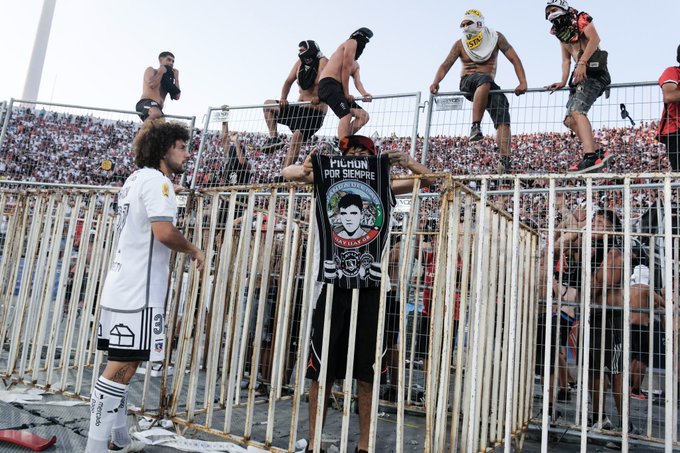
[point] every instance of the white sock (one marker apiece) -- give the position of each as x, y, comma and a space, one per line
119, 434
104, 403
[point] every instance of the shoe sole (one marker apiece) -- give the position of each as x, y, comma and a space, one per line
476, 138
270, 148
592, 169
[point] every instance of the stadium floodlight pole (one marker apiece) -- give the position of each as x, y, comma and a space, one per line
42, 38
5, 122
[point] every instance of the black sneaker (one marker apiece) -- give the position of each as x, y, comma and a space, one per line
476, 132
504, 166
272, 144
563, 396
591, 162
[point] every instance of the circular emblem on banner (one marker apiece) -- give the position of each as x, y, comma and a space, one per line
356, 213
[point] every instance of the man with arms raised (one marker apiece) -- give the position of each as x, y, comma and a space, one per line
303, 120
478, 50
366, 335
334, 83
132, 321
158, 83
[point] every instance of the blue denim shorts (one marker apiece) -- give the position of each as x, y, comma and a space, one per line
584, 95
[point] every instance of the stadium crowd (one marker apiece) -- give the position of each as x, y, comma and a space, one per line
54, 147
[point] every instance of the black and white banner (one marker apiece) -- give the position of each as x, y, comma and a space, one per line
354, 204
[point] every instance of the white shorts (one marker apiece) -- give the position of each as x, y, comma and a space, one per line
132, 337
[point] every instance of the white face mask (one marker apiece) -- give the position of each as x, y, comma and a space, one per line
471, 29
555, 14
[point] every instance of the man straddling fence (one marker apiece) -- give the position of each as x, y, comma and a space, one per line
158, 83
334, 83
351, 261
478, 51
669, 126
132, 321
579, 40
303, 120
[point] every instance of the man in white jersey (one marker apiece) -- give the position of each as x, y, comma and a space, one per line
132, 324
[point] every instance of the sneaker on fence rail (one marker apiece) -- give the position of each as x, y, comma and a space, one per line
504, 166
591, 162
476, 132
272, 144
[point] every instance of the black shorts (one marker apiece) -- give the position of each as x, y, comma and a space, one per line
331, 92
144, 105
366, 335
639, 343
566, 323
612, 328
301, 118
497, 105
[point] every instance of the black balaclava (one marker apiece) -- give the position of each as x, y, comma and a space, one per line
309, 66
565, 26
678, 55
361, 36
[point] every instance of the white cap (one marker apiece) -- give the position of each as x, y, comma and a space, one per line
561, 4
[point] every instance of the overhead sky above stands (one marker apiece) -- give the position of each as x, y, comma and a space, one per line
240, 52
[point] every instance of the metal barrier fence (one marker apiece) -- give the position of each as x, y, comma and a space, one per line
539, 143
247, 315
238, 359
69, 144
388, 116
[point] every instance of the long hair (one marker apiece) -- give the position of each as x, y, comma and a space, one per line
154, 140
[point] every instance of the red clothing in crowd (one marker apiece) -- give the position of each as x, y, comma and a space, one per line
670, 119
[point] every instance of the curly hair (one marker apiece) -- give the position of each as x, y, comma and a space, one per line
154, 140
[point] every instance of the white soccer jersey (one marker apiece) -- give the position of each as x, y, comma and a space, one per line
138, 276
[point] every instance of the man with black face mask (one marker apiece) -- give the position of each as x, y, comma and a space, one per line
669, 126
334, 83
303, 120
158, 83
579, 40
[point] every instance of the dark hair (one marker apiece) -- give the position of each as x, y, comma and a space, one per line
612, 218
165, 54
351, 199
154, 140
